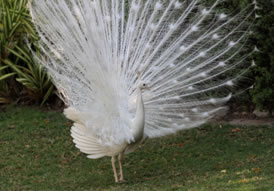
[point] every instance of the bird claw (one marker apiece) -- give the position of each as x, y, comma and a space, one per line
121, 181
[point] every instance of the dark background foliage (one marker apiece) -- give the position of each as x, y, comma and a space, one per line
21, 78
263, 92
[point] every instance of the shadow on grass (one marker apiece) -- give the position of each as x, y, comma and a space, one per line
37, 154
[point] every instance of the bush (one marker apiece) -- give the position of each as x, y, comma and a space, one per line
20, 76
263, 92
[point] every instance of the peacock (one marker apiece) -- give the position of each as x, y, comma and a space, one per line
129, 70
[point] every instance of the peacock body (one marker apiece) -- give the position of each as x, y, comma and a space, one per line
134, 69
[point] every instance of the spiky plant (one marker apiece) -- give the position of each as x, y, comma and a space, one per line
17, 65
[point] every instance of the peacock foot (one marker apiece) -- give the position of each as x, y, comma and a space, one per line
121, 181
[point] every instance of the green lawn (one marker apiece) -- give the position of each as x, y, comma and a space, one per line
37, 153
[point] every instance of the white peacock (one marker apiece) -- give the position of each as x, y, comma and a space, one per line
103, 54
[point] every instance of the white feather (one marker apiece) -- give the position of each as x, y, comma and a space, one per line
96, 49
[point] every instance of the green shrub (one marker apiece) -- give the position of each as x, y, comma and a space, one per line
263, 92
20, 76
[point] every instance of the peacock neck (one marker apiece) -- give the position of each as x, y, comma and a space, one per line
140, 111
139, 121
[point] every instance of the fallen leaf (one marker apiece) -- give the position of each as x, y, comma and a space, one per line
252, 158
219, 166
256, 170
223, 171
175, 154
235, 130
181, 145
244, 180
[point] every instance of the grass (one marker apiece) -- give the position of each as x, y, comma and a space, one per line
37, 153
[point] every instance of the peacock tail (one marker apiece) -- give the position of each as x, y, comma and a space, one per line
97, 51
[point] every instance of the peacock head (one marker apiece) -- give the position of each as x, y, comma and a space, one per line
143, 85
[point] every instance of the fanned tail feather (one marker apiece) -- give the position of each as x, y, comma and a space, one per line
189, 54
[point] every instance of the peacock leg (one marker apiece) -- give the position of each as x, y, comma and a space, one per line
114, 169
120, 158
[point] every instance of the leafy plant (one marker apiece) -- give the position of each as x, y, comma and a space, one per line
263, 92
32, 76
17, 65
